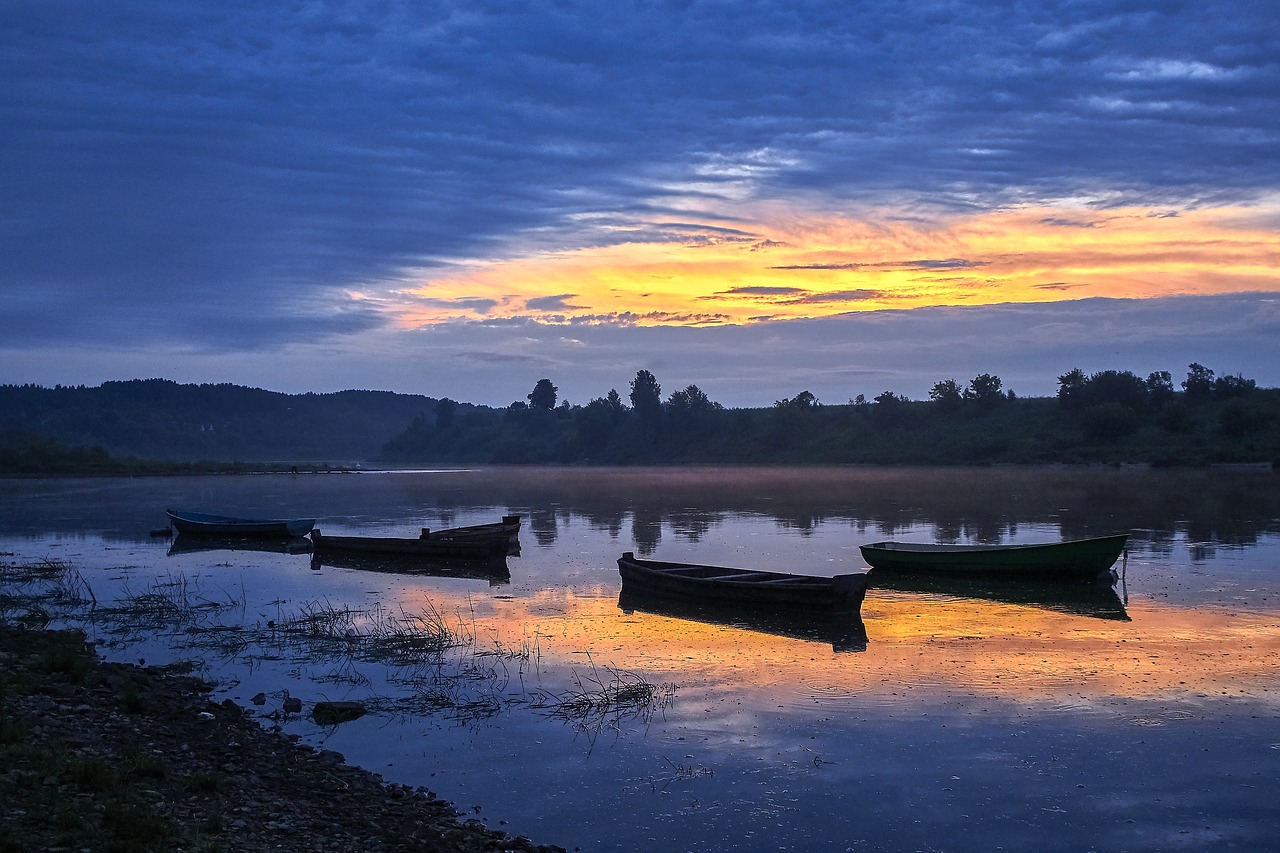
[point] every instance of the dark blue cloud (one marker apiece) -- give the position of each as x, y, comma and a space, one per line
559, 302
182, 171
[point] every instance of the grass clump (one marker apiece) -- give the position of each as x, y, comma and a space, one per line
604, 698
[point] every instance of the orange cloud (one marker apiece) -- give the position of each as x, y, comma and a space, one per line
791, 266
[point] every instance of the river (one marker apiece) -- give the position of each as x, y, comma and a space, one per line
1144, 716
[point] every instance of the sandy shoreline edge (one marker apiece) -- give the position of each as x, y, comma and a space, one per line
109, 756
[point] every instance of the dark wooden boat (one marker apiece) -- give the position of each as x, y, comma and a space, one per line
744, 586
461, 549
1095, 597
207, 524
493, 570
843, 629
507, 530
1070, 559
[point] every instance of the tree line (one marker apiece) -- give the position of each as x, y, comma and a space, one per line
1109, 416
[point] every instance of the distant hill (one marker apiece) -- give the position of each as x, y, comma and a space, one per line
1108, 417
162, 420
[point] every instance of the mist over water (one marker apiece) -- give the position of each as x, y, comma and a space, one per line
1138, 717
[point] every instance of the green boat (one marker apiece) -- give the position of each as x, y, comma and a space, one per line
1068, 560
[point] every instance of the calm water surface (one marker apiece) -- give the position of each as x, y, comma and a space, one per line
1139, 718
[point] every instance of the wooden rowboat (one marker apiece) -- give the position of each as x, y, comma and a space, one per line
1067, 560
743, 586
461, 549
507, 530
207, 524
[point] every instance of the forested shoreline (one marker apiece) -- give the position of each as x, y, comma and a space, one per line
1110, 417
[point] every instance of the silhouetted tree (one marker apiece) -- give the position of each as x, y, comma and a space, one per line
1225, 387
889, 409
692, 401
984, 389
1159, 388
1116, 386
646, 398
543, 395
1199, 382
803, 400
1071, 387
946, 395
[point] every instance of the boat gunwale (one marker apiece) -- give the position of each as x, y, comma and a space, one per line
1068, 558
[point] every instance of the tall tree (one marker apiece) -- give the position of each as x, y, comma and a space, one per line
1199, 382
1071, 388
984, 389
543, 395
946, 394
646, 395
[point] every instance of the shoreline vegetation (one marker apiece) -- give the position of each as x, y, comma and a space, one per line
110, 756
1111, 417
100, 756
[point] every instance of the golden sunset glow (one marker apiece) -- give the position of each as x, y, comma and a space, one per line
931, 643
808, 266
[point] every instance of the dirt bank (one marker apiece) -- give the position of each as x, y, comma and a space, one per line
98, 756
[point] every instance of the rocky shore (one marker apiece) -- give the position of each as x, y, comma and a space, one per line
98, 756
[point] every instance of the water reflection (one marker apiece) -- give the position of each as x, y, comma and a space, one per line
1011, 690
187, 544
1097, 599
1213, 508
844, 631
495, 570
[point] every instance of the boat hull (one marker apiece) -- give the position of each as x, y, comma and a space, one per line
1071, 559
741, 586
207, 524
460, 549
504, 535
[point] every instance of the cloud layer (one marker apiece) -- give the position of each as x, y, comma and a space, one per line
216, 179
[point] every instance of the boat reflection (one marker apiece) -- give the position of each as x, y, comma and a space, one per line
494, 571
843, 629
1097, 599
185, 543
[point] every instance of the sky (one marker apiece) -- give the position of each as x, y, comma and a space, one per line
757, 198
